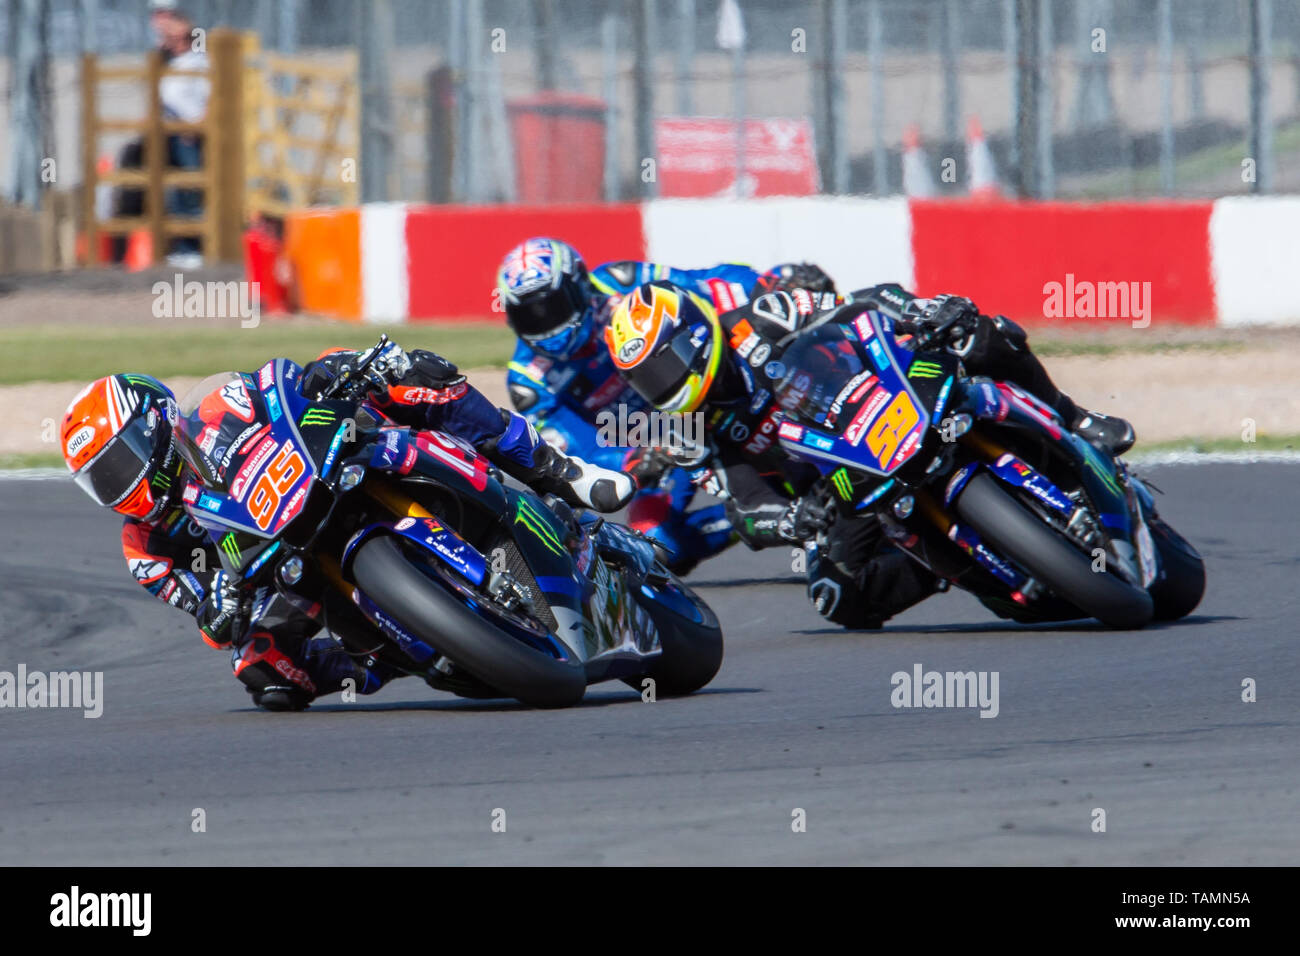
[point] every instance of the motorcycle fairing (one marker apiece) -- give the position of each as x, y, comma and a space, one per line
251, 492
430, 534
884, 428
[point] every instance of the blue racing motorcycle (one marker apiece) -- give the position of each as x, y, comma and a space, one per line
978, 480
410, 547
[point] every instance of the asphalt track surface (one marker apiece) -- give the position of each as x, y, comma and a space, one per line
1149, 726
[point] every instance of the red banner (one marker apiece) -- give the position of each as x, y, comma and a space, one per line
697, 158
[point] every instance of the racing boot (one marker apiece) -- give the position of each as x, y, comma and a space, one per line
1104, 432
285, 672
522, 454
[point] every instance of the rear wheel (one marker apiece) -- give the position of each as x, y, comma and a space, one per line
1016, 532
426, 609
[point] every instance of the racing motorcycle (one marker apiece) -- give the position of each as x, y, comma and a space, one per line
978, 480
409, 546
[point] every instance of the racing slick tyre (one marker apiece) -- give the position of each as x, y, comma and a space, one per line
692, 649
1013, 530
437, 617
1182, 581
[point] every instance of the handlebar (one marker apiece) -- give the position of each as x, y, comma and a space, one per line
374, 367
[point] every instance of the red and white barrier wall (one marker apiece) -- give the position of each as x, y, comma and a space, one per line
1228, 262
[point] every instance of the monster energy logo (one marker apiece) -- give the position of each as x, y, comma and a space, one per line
162, 481
922, 369
318, 416
139, 380
531, 519
230, 548
842, 484
1090, 459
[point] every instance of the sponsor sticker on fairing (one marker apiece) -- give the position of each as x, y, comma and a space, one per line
906, 449
790, 431
266, 375
292, 508
239, 487
853, 389
747, 346
190, 494
862, 325
820, 442
853, 434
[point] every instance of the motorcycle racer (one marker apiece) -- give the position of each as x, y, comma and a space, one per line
118, 442
679, 354
561, 377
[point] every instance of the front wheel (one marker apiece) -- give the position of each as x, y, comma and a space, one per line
1014, 531
429, 611
692, 649
1182, 580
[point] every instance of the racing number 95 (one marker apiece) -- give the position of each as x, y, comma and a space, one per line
285, 469
891, 428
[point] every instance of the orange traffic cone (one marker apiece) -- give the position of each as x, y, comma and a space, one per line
918, 181
979, 162
139, 251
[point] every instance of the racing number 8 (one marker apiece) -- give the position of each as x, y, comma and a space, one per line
891, 428
285, 468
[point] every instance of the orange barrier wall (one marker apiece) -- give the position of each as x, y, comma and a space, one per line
324, 247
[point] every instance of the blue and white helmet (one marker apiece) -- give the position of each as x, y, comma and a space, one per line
547, 295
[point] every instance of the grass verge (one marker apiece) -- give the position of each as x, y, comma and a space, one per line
1207, 445
81, 353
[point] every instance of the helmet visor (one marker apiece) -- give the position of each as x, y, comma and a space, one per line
114, 473
664, 374
539, 317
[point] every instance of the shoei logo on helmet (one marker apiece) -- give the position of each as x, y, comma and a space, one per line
79, 439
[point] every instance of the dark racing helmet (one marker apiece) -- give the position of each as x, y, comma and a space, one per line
667, 343
117, 441
548, 297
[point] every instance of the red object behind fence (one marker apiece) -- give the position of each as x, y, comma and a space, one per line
559, 145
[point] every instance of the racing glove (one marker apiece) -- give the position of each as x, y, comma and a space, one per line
648, 465
223, 616
804, 518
